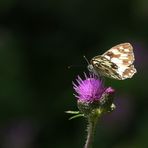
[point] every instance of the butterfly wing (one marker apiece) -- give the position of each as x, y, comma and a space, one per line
117, 62
121, 54
104, 67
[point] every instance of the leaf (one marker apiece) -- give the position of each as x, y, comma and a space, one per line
72, 112
76, 116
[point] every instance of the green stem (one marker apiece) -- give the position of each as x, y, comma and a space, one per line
91, 130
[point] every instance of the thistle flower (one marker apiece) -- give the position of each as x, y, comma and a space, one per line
90, 89
92, 94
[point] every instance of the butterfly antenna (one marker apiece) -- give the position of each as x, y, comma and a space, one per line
70, 66
86, 59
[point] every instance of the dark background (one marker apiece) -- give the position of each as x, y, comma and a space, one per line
38, 40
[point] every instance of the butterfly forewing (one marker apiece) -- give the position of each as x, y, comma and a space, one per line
116, 62
105, 67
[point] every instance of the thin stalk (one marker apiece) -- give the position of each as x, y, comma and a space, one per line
90, 132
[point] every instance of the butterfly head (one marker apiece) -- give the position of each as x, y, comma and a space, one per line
93, 63
90, 67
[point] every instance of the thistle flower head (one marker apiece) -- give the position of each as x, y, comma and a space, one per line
90, 89
92, 94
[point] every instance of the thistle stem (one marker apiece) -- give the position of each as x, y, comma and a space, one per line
90, 132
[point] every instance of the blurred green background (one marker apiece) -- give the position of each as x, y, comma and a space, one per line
38, 41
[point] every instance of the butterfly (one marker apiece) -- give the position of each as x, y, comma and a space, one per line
116, 63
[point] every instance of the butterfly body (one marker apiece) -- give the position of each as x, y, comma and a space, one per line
116, 63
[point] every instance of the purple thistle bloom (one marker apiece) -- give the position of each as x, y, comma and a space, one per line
90, 89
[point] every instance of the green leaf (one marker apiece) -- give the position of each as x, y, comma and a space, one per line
72, 112
76, 116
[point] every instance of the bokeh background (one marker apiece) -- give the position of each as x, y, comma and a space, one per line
38, 41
